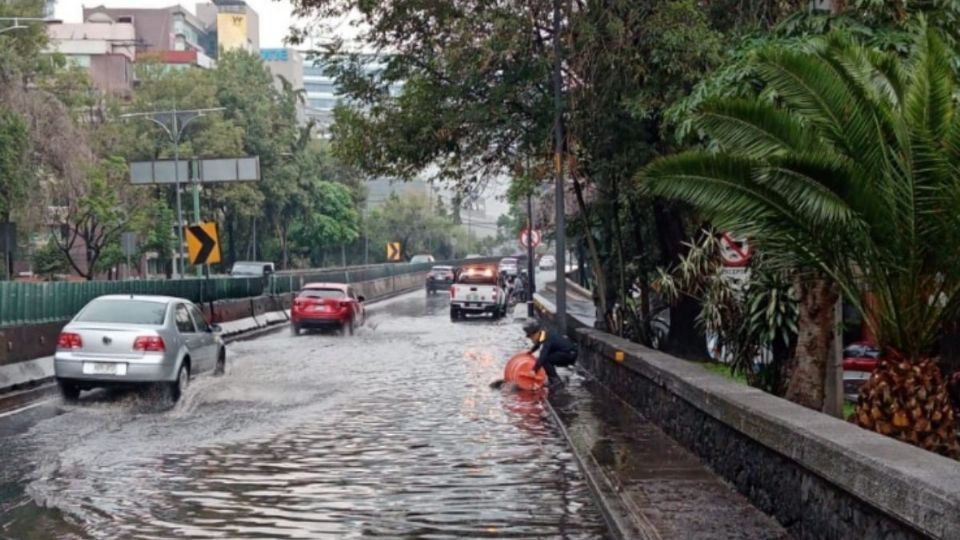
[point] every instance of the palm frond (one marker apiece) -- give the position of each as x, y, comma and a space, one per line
754, 129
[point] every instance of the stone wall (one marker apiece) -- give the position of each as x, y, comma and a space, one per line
819, 476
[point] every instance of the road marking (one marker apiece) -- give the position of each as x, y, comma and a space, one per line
24, 408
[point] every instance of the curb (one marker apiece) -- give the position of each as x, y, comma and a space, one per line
622, 521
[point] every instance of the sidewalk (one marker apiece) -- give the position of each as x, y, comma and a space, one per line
647, 484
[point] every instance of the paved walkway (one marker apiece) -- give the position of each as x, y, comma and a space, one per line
650, 486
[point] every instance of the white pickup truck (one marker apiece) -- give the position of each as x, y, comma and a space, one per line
477, 289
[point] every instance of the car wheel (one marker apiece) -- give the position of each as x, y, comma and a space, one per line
454, 314
177, 388
295, 329
68, 391
221, 366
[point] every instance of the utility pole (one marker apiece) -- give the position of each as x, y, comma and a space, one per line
558, 152
533, 280
171, 123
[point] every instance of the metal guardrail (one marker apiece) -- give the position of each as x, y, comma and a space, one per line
24, 303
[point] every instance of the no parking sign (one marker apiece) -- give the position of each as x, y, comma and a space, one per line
734, 250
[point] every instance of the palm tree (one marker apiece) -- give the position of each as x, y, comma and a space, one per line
851, 170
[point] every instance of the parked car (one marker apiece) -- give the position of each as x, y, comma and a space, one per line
439, 278
422, 259
126, 340
859, 361
548, 262
478, 289
327, 306
252, 269
509, 266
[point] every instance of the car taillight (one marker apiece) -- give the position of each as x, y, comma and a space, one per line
149, 344
453, 292
494, 294
69, 340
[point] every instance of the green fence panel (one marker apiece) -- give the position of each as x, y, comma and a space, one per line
32, 303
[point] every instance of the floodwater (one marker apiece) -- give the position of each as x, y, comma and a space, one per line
391, 433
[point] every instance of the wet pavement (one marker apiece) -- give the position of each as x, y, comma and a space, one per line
391, 433
663, 490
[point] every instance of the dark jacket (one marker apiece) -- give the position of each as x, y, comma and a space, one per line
549, 343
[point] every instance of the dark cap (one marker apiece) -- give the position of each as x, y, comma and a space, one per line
531, 328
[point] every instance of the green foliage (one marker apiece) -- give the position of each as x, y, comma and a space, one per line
889, 26
15, 175
49, 261
754, 319
853, 175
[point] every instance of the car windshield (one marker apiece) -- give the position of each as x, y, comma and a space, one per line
477, 276
119, 310
322, 293
442, 269
420, 259
247, 269
508, 262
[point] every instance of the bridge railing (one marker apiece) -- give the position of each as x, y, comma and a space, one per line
23, 303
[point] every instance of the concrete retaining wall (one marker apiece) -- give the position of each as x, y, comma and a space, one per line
818, 476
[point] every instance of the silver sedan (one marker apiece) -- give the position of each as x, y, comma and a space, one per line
124, 340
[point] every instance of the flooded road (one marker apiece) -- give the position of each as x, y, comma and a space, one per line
391, 433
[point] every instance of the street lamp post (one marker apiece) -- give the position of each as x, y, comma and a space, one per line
175, 131
16, 23
558, 152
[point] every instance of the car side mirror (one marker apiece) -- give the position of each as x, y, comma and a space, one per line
214, 329
361, 298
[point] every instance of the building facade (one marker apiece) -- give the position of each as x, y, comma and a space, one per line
286, 64
105, 47
234, 23
171, 28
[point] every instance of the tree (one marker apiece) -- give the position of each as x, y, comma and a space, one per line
156, 226
49, 261
854, 177
15, 175
330, 220
94, 212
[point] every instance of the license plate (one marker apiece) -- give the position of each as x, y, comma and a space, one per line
319, 308
473, 297
104, 368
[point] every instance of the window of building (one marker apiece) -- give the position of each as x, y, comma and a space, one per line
323, 103
320, 87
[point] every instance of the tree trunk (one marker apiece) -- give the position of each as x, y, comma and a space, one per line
684, 339
601, 287
806, 373
283, 246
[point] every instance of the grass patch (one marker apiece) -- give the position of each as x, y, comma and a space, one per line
848, 410
723, 369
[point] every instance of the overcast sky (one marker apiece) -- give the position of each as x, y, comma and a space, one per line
274, 15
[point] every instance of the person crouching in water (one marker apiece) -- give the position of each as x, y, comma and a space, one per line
555, 351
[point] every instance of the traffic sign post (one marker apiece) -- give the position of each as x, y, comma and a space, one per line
128, 244
734, 250
530, 238
735, 253
394, 252
203, 243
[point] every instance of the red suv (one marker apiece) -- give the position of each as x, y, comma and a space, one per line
327, 305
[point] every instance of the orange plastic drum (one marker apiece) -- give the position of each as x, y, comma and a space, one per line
519, 371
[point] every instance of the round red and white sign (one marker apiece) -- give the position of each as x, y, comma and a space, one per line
734, 250
530, 238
